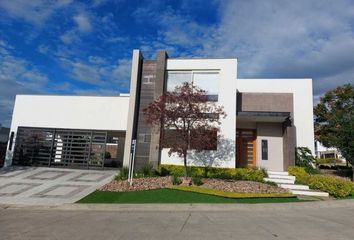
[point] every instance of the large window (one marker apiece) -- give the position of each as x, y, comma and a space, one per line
175, 79
206, 80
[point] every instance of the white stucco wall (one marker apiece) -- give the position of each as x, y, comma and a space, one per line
227, 69
73, 112
303, 103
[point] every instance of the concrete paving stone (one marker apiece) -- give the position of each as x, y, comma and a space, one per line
60, 191
49, 186
47, 175
15, 188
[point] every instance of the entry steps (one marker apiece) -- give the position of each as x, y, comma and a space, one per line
284, 180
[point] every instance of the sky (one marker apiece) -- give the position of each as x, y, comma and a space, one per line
77, 47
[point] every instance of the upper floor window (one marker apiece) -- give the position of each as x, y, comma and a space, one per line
206, 80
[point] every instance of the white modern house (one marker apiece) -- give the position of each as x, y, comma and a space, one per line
266, 119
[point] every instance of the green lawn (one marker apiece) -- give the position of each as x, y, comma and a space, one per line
172, 196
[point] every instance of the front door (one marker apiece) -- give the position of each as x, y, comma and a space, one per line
245, 147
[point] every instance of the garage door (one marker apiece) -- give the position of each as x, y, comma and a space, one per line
60, 147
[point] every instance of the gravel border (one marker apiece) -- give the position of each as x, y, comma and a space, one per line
150, 183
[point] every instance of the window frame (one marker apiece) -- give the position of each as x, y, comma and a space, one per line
211, 97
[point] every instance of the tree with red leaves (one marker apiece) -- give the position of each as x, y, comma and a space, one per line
186, 119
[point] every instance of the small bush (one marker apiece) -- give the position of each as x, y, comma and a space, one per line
169, 170
123, 173
311, 170
148, 170
272, 183
176, 180
335, 186
197, 181
107, 155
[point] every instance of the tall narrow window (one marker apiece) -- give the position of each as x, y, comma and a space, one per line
11, 140
264, 149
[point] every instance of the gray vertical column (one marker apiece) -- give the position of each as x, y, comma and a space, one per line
121, 147
133, 102
160, 87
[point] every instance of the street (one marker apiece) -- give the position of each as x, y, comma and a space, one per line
319, 220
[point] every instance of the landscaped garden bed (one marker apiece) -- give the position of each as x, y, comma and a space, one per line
168, 185
149, 183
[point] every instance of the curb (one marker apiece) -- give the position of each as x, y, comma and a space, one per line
188, 207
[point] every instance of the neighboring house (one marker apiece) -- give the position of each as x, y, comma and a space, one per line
266, 119
325, 153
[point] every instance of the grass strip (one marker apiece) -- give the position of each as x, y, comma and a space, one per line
172, 196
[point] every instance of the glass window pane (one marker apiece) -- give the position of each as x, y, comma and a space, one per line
177, 78
207, 81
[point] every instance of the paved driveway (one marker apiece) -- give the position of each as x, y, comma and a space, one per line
49, 186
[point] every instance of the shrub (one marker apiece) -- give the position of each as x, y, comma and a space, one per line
272, 183
197, 181
168, 170
304, 158
148, 170
335, 186
311, 170
328, 161
107, 155
176, 180
246, 174
123, 173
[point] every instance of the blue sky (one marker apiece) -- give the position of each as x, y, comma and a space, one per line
85, 47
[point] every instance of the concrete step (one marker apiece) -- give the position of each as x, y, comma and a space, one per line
294, 186
277, 173
281, 177
280, 181
309, 193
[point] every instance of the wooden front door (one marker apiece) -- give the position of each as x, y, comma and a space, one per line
245, 147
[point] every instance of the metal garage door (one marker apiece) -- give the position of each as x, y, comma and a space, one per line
60, 147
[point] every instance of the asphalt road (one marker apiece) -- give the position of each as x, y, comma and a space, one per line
322, 220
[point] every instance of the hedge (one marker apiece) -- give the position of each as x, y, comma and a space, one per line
335, 186
246, 174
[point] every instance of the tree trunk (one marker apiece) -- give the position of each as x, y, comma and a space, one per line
185, 165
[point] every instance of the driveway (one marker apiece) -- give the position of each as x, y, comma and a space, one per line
306, 220
49, 186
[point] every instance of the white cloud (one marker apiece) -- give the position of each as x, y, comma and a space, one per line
17, 76
121, 72
276, 39
33, 11
83, 23
96, 60
43, 49
68, 37
98, 71
81, 71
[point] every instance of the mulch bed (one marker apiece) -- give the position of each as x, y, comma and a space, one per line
241, 186
150, 183
139, 184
